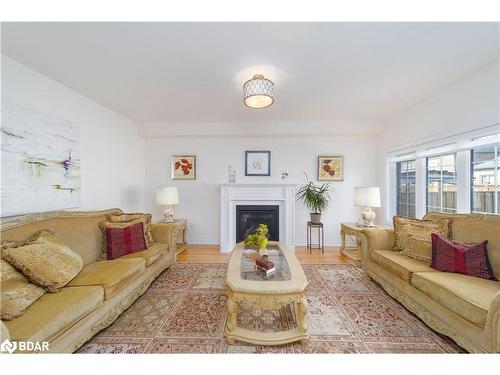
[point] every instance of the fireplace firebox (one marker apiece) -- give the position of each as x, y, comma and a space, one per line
250, 216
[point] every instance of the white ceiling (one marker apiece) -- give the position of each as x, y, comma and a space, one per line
193, 72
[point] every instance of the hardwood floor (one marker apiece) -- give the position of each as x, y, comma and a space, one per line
212, 254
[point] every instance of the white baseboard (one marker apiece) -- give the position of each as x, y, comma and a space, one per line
327, 243
201, 241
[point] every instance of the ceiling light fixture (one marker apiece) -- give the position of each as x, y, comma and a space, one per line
258, 92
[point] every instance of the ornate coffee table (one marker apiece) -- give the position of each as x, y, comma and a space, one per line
246, 285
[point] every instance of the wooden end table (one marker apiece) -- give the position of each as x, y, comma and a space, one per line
353, 229
179, 235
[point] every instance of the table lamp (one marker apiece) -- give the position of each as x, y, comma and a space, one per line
367, 197
167, 197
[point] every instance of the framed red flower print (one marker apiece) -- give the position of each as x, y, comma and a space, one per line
183, 167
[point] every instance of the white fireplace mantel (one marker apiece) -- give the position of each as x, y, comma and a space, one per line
231, 195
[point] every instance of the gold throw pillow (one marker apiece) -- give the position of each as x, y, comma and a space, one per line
129, 217
420, 230
44, 260
16, 293
419, 249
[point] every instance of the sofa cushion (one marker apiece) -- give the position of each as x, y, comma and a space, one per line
398, 264
44, 260
112, 275
52, 314
151, 255
467, 296
16, 292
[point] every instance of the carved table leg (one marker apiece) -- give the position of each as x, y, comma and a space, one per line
342, 237
184, 235
300, 313
232, 308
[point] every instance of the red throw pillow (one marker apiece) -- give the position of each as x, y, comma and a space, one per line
469, 259
123, 241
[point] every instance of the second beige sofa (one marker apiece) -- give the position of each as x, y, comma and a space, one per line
465, 308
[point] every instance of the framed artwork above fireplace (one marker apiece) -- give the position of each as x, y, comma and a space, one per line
257, 163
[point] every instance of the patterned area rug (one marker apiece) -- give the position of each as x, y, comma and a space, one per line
184, 311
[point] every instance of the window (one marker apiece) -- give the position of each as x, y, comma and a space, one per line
453, 174
441, 183
405, 179
485, 175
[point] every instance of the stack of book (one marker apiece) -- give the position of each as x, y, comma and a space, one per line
265, 266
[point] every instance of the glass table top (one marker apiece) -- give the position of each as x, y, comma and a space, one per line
275, 254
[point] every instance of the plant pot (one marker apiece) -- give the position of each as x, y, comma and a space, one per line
263, 243
315, 218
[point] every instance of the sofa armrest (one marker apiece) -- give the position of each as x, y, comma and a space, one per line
377, 239
164, 233
493, 322
4, 332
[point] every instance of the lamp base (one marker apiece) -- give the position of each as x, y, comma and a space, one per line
168, 215
368, 216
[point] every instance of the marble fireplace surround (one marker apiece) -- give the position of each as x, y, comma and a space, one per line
231, 195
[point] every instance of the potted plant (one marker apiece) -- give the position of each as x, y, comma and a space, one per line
259, 238
316, 198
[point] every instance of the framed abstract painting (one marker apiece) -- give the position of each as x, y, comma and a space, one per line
257, 163
40, 161
330, 168
183, 167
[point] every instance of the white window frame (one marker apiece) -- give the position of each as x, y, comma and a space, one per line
461, 145
455, 154
396, 186
495, 178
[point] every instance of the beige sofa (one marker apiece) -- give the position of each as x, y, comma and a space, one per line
465, 308
99, 293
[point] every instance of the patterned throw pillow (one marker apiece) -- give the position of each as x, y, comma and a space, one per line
17, 293
126, 240
469, 259
44, 260
419, 249
119, 225
124, 218
406, 229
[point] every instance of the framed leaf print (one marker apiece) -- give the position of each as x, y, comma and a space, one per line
257, 163
330, 168
183, 167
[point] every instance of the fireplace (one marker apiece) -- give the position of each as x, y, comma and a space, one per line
281, 196
248, 217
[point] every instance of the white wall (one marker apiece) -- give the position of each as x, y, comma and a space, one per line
468, 104
112, 153
199, 199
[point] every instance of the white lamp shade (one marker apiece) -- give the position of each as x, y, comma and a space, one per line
167, 196
367, 196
